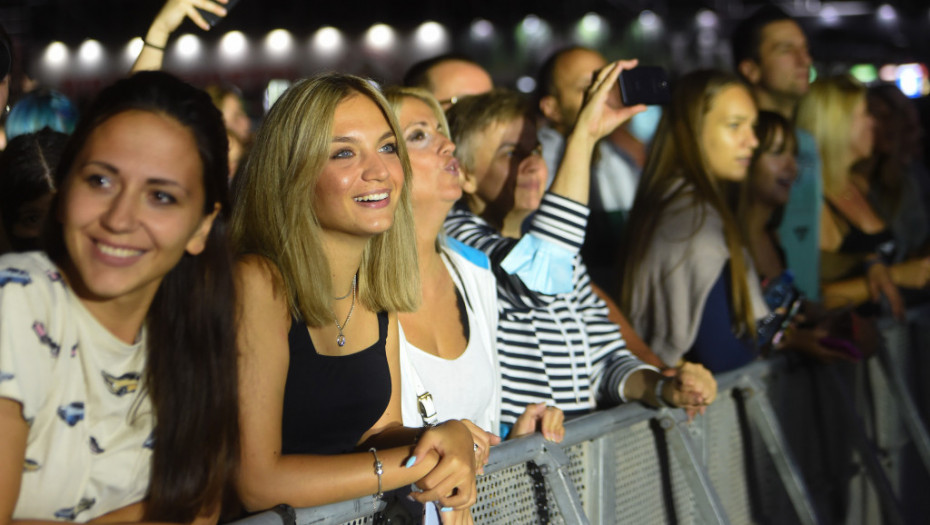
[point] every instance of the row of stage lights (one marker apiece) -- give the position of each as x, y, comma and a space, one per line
591, 29
327, 41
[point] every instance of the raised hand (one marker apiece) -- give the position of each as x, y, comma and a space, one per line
602, 112
174, 12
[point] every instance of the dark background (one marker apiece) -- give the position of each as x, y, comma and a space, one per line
681, 45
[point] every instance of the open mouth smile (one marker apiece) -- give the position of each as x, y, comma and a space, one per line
117, 251
372, 197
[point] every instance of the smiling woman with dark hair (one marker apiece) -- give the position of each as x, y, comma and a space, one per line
127, 321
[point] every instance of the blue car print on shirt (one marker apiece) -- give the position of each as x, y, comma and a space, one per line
14, 275
71, 413
30, 465
71, 513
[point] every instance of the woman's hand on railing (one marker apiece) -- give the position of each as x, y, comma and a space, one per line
452, 480
550, 421
808, 341
483, 442
880, 283
913, 273
692, 388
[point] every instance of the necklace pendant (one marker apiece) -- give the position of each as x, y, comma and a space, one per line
341, 340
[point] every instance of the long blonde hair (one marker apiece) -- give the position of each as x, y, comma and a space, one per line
273, 215
677, 157
826, 113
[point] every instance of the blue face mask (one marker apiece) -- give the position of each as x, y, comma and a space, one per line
643, 125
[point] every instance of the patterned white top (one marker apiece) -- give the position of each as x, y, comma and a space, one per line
89, 445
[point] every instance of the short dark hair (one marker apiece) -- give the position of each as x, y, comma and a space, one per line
747, 36
417, 75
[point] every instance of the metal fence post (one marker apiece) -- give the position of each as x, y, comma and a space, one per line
705, 497
907, 407
551, 462
762, 415
891, 507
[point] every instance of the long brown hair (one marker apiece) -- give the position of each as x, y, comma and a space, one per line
191, 371
677, 168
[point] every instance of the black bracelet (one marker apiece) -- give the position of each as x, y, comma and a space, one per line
153, 46
871, 261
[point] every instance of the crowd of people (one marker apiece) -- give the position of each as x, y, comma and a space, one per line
379, 284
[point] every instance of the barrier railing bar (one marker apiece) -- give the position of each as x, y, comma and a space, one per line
602, 499
891, 507
337, 513
762, 415
705, 496
510, 453
553, 463
907, 407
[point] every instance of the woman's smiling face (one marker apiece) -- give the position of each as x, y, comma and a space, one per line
775, 171
132, 205
360, 185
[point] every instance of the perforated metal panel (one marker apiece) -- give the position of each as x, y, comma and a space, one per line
578, 471
505, 497
725, 460
638, 482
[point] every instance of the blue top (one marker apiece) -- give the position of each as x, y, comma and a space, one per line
800, 225
716, 346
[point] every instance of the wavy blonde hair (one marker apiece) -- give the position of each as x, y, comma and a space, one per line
826, 113
273, 213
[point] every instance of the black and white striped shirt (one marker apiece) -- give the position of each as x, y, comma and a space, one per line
560, 349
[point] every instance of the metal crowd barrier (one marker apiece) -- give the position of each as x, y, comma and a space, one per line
785, 442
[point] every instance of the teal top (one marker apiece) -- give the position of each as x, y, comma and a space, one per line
800, 226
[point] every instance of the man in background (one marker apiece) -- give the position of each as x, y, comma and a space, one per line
770, 52
449, 77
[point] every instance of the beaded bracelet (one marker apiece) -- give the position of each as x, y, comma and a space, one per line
379, 470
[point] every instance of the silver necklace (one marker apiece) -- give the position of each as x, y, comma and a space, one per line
354, 277
341, 340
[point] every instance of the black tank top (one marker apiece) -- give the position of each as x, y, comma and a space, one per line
330, 401
857, 241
